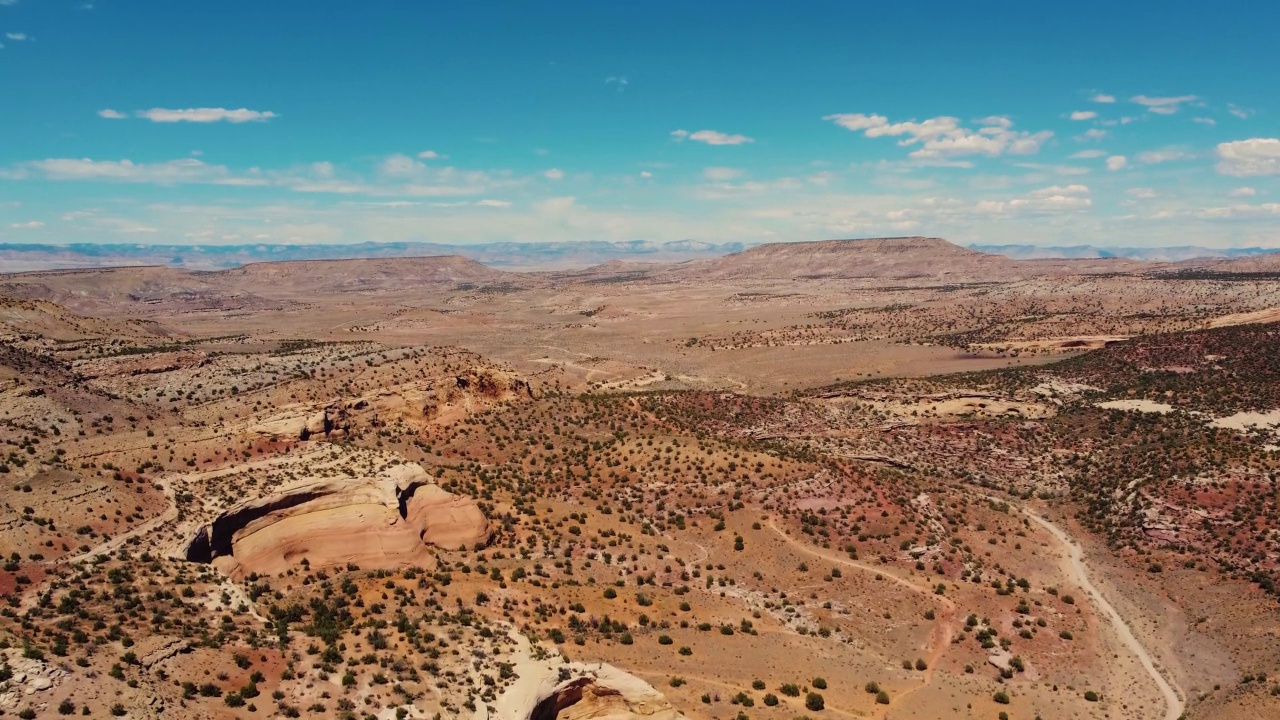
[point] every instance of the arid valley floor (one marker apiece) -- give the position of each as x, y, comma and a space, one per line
888, 478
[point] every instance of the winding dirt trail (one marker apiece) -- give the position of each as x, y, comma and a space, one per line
943, 631
1174, 704
831, 557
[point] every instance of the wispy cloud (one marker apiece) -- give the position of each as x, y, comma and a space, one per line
1238, 111
711, 137
1103, 98
1083, 115
30, 225
617, 81
1163, 105
205, 115
944, 137
16, 36
110, 114
172, 172
1155, 157
1053, 199
722, 174
397, 175
1117, 162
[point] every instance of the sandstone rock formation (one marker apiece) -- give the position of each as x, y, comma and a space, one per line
308, 424
414, 404
551, 689
443, 399
387, 521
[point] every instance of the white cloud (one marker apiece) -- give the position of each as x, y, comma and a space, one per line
1056, 198
722, 174
1117, 162
1205, 121
1241, 210
32, 225
1155, 157
646, 174
164, 173
110, 114
1092, 134
1245, 158
554, 174
395, 175
1088, 154
1083, 115
943, 137
1163, 105
493, 203
1103, 98
1054, 169
16, 37
618, 81
393, 166
711, 137
205, 115
1243, 192
430, 155
1238, 111
1142, 193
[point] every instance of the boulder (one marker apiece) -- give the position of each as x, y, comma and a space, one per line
317, 424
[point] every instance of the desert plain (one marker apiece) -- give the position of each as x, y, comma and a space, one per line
882, 478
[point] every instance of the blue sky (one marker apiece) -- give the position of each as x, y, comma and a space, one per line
285, 122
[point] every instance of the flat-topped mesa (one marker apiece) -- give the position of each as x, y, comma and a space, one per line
905, 257
877, 246
927, 259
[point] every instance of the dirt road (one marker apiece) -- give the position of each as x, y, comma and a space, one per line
1174, 704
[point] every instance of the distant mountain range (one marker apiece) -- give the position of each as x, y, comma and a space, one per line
508, 256
516, 256
1176, 253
